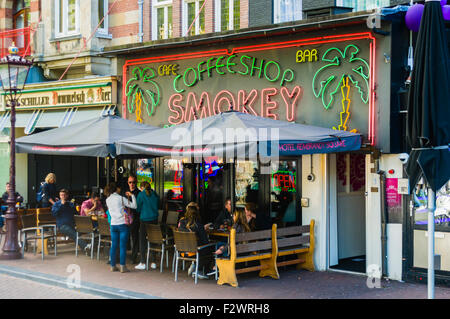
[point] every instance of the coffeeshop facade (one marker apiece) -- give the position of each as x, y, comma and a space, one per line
336, 74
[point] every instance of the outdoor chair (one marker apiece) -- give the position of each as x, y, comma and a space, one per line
186, 242
46, 220
104, 233
85, 230
30, 231
163, 243
172, 217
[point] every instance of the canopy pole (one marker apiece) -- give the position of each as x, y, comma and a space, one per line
431, 208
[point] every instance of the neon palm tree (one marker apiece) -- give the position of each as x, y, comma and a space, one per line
330, 78
137, 93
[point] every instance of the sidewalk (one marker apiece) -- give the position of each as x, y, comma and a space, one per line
96, 279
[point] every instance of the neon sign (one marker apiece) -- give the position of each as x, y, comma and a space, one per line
284, 181
279, 100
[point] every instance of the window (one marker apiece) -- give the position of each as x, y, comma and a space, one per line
173, 179
102, 13
361, 5
21, 12
161, 19
287, 10
190, 12
247, 182
145, 171
283, 192
66, 17
228, 15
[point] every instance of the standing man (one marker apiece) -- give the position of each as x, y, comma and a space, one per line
134, 228
64, 210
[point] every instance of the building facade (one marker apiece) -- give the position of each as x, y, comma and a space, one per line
270, 58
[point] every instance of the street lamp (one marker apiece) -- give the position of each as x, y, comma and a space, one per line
13, 74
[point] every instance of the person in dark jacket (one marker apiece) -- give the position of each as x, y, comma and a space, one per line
225, 217
19, 198
191, 223
49, 194
256, 220
135, 226
147, 208
64, 210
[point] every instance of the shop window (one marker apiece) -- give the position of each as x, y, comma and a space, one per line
350, 172
102, 13
162, 19
66, 17
173, 179
287, 10
442, 227
442, 213
247, 182
283, 192
362, 5
191, 9
145, 171
228, 15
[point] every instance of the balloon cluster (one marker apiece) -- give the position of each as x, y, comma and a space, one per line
414, 15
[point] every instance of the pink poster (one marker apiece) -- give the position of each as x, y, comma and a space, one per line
393, 200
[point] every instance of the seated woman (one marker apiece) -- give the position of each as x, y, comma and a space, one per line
241, 226
256, 220
191, 223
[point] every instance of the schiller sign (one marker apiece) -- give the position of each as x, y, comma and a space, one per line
325, 81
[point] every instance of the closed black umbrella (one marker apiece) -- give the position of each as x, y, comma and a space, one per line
428, 127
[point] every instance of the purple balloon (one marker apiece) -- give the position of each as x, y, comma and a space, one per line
446, 12
443, 3
413, 17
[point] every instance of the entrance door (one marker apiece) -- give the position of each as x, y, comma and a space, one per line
351, 223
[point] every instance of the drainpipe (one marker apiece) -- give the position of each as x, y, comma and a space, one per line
383, 209
141, 20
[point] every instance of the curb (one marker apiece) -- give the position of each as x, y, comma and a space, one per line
85, 287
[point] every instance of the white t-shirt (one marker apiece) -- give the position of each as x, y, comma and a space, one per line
116, 204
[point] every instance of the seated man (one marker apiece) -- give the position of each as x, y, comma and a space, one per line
92, 206
19, 198
4, 203
64, 210
225, 217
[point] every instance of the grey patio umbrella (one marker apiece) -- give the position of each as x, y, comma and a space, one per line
93, 137
235, 134
428, 126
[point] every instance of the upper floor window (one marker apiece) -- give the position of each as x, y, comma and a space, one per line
287, 10
228, 15
21, 14
102, 13
161, 19
359, 5
67, 17
191, 17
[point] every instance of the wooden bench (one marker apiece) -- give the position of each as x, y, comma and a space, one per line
245, 247
292, 241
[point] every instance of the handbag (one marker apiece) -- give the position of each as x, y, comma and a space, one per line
127, 214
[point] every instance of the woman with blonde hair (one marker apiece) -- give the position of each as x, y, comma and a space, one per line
241, 226
49, 191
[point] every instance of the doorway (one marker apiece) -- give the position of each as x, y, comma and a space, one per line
350, 221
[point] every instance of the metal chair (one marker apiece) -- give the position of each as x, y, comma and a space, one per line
32, 232
172, 217
85, 230
186, 242
104, 231
156, 237
46, 220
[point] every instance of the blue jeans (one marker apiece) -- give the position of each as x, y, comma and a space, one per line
119, 237
72, 234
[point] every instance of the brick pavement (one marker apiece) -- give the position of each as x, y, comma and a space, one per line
17, 288
293, 284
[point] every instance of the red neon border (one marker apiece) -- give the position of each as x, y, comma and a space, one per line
271, 46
